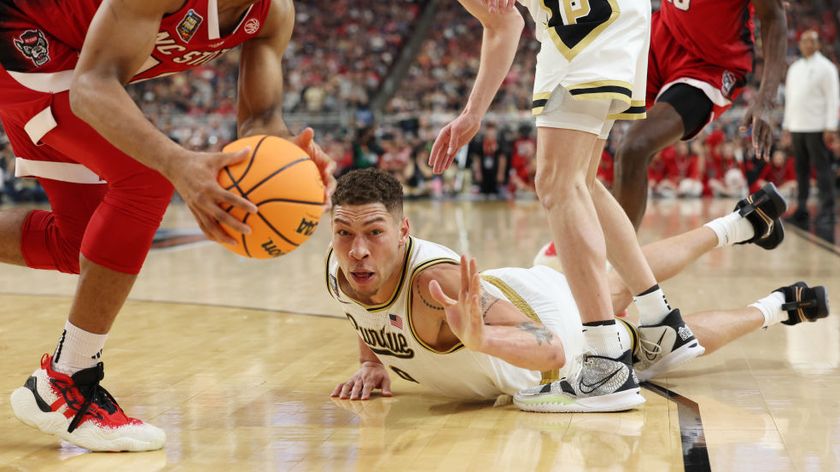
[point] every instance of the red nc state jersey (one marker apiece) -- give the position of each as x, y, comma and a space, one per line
42, 36
718, 31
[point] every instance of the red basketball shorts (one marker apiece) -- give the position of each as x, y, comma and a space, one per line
669, 64
105, 205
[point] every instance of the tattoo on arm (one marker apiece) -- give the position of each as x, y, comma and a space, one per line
540, 332
433, 306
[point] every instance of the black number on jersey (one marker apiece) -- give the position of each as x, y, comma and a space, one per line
573, 24
404, 375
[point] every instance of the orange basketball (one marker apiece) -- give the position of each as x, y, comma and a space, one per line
285, 185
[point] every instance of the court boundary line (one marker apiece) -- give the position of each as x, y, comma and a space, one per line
814, 239
183, 303
692, 435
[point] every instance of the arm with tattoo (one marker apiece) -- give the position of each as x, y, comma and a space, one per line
494, 326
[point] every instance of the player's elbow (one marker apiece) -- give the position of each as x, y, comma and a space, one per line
556, 359
82, 95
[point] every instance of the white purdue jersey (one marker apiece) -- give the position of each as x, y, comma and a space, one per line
593, 49
540, 292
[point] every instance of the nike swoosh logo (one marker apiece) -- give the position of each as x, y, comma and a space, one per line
597, 384
658, 343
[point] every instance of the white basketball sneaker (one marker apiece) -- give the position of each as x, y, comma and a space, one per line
77, 409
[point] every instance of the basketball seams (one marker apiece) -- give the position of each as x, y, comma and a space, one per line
278, 233
244, 236
276, 172
251, 160
287, 200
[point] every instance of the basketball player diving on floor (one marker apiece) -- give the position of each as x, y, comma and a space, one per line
109, 173
590, 71
425, 315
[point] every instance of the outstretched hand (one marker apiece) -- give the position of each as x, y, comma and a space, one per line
759, 116
453, 137
464, 315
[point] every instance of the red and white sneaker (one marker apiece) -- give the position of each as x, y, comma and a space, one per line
77, 409
547, 256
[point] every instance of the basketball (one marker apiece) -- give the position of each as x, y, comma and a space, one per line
285, 185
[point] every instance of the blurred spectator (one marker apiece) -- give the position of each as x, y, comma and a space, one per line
682, 170
812, 102
488, 162
726, 174
779, 171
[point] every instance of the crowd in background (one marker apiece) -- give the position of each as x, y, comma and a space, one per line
341, 53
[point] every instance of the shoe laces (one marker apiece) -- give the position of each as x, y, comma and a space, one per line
93, 393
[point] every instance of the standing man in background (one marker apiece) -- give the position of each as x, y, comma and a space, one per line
812, 103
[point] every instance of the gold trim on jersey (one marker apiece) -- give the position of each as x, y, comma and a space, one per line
519, 302
410, 301
603, 90
637, 111
397, 290
570, 53
539, 101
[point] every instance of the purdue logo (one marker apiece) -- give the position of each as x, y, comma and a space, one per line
271, 249
306, 227
573, 24
382, 342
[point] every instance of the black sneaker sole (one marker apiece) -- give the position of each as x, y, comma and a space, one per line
763, 209
812, 305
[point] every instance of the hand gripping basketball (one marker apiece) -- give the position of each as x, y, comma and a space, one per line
285, 185
195, 180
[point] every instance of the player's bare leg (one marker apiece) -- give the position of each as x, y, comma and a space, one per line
561, 184
64, 396
662, 330
662, 127
100, 295
790, 305
718, 328
603, 379
666, 258
11, 222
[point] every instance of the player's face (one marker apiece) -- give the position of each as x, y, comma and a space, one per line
368, 241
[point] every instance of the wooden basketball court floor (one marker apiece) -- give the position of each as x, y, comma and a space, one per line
235, 359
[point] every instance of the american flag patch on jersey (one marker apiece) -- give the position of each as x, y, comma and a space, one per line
395, 320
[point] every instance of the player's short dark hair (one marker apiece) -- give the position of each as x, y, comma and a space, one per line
363, 186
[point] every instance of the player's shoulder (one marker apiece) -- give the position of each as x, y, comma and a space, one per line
447, 274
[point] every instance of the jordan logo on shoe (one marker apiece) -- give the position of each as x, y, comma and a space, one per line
592, 387
684, 332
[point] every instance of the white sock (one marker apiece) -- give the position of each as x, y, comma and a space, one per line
771, 307
77, 349
653, 306
731, 229
604, 339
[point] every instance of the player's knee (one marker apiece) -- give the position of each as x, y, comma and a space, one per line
46, 246
633, 156
554, 192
